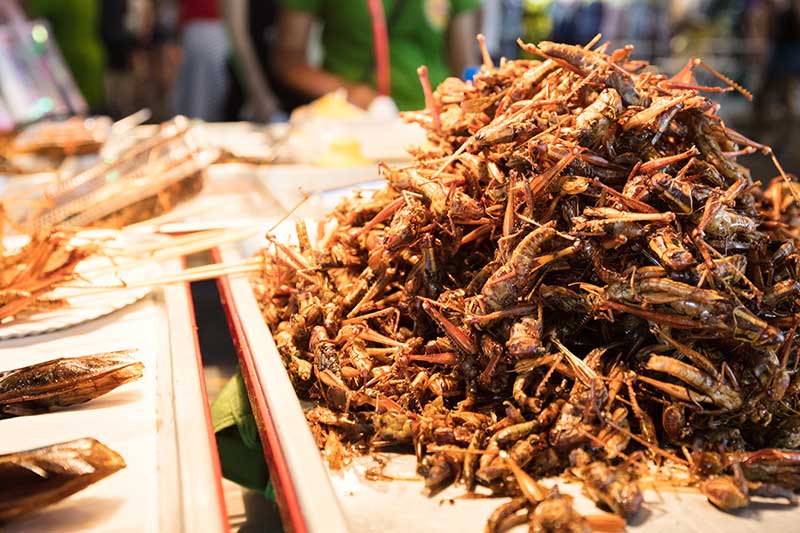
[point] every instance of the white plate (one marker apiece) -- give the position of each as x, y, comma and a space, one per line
83, 308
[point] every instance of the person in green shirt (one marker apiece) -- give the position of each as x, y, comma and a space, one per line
436, 33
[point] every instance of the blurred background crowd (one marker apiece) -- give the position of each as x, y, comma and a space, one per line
224, 60
216, 59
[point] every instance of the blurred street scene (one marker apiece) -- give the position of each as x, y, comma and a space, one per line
217, 60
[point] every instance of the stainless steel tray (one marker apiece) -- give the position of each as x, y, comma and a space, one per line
312, 498
305, 496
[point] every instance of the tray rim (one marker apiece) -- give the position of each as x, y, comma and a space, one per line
194, 446
303, 506
183, 472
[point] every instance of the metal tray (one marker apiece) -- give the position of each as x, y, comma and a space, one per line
312, 498
305, 497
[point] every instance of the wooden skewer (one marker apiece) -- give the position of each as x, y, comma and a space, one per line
190, 274
170, 249
168, 224
189, 244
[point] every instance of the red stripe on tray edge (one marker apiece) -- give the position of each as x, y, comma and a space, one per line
285, 493
212, 441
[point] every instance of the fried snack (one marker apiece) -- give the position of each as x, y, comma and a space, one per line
574, 277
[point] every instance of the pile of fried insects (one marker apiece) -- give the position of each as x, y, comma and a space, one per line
574, 277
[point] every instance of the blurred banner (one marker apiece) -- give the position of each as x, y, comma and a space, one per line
34, 80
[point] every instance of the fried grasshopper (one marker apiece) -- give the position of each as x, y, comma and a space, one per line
34, 479
65, 382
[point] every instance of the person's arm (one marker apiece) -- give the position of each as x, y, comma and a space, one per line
289, 60
462, 48
236, 14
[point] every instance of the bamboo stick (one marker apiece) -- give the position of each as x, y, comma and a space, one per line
160, 251
190, 274
173, 227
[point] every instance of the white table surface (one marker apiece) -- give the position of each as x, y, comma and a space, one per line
126, 420
158, 424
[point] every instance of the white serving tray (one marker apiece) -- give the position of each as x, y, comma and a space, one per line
161, 424
312, 498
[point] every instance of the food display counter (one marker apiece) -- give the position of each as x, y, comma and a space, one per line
573, 309
160, 424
